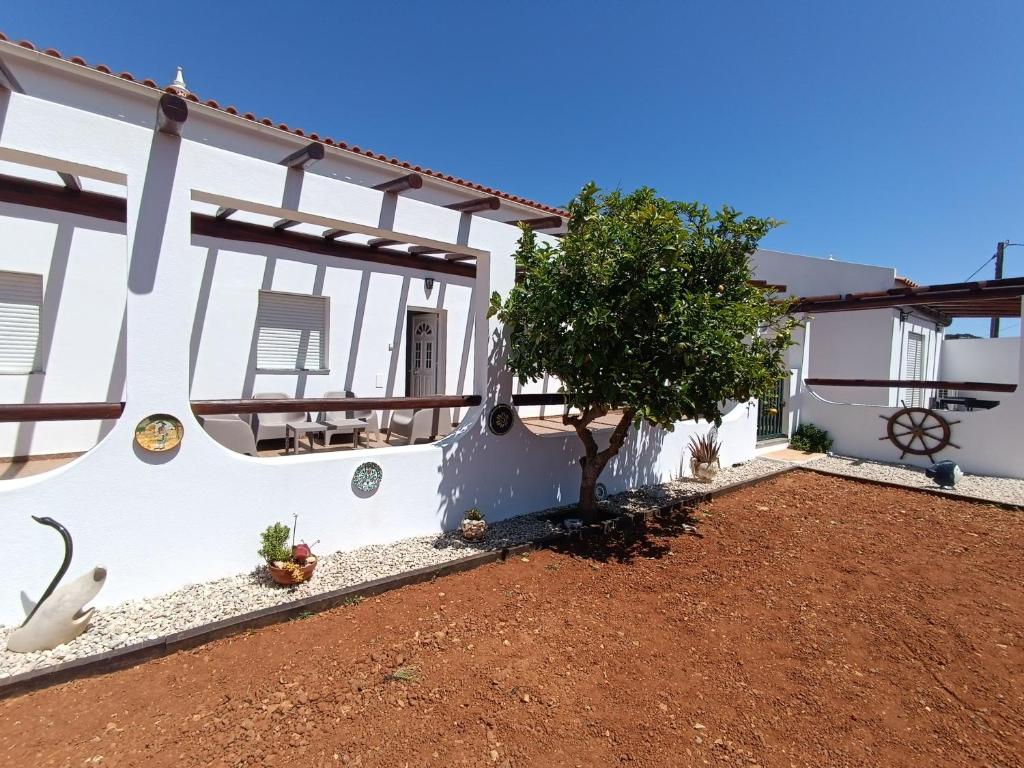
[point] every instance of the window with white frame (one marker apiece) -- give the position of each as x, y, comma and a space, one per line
21, 301
913, 368
291, 332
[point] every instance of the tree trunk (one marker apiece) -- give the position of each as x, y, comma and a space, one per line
594, 461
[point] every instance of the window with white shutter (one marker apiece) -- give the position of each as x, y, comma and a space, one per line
914, 367
21, 298
291, 332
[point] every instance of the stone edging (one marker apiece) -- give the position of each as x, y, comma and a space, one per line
132, 655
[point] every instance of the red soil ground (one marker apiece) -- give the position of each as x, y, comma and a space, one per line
817, 622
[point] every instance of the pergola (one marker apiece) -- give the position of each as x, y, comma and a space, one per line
983, 298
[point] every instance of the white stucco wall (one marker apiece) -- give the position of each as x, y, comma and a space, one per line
989, 360
160, 520
84, 266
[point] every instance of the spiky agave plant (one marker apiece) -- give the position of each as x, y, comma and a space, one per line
704, 449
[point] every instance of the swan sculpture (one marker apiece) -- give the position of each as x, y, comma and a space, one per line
60, 614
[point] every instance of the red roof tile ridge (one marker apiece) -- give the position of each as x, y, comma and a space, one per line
147, 82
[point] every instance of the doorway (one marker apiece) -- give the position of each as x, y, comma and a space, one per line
424, 354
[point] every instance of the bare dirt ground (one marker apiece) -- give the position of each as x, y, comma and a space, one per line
816, 622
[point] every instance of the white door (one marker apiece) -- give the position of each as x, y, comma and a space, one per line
914, 367
424, 348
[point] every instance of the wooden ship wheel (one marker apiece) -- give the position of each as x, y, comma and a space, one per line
918, 431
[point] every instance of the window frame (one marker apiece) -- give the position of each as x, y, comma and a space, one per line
325, 334
37, 362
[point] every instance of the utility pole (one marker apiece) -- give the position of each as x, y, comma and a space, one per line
993, 330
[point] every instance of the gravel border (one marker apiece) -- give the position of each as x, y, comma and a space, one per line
1002, 490
138, 621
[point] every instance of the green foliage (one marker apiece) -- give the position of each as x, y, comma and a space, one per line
474, 513
274, 541
811, 438
646, 305
704, 449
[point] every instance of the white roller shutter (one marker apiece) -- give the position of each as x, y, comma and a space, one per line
913, 367
291, 332
21, 297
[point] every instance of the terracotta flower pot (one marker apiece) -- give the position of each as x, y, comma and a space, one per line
473, 530
286, 577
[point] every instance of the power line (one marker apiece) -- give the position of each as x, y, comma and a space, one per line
980, 268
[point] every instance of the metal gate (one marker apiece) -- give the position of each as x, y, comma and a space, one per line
769, 413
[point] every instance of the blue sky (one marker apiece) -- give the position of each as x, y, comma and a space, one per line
882, 132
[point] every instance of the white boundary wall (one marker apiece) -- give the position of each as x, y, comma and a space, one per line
159, 521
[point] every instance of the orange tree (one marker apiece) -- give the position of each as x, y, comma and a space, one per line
645, 305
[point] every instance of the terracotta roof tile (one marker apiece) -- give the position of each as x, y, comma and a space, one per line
78, 60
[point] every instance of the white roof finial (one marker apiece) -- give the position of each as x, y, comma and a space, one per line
178, 85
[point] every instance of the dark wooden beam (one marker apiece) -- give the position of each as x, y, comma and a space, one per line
926, 295
204, 225
541, 222
216, 407
425, 249
301, 159
38, 194
380, 242
223, 213
401, 184
8, 80
60, 411
973, 386
545, 398
334, 234
491, 203
171, 114
458, 257
283, 224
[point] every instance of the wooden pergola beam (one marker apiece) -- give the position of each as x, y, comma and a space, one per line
422, 250
204, 225
491, 203
458, 257
171, 114
401, 184
540, 222
335, 233
380, 242
282, 224
223, 213
926, 295
302, 158
39, 194
971, 386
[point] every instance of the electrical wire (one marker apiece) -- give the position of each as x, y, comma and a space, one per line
990, 258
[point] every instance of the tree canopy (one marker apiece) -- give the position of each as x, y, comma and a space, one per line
647, 305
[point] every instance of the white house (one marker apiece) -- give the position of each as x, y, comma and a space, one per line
161, 251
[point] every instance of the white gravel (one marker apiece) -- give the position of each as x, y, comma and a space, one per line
197, 604
1001, 489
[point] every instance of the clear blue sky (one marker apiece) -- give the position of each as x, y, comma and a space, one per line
882, 132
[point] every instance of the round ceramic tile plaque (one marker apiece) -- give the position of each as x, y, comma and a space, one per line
367, 477
500, 419
159, 432
601, 492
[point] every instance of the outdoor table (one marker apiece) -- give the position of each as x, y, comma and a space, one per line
293, 429
357, 426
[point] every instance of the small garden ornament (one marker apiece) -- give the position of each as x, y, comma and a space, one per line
473, 527
60, 615
704, 450
287, 565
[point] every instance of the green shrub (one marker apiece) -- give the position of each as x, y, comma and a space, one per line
275, 543
474, 514
811, 439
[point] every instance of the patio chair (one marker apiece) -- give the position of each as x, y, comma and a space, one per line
270, 426
335, 420
412, 425
231, 431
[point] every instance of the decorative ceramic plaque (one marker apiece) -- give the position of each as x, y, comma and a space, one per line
500, 419
600, 492
159, 432
367, 477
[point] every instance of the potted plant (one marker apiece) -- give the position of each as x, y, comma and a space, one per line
473, 527
704, 450
287, 565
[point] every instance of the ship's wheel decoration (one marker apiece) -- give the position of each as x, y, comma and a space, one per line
918, 431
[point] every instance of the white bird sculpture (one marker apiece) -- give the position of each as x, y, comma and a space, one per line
60, 615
